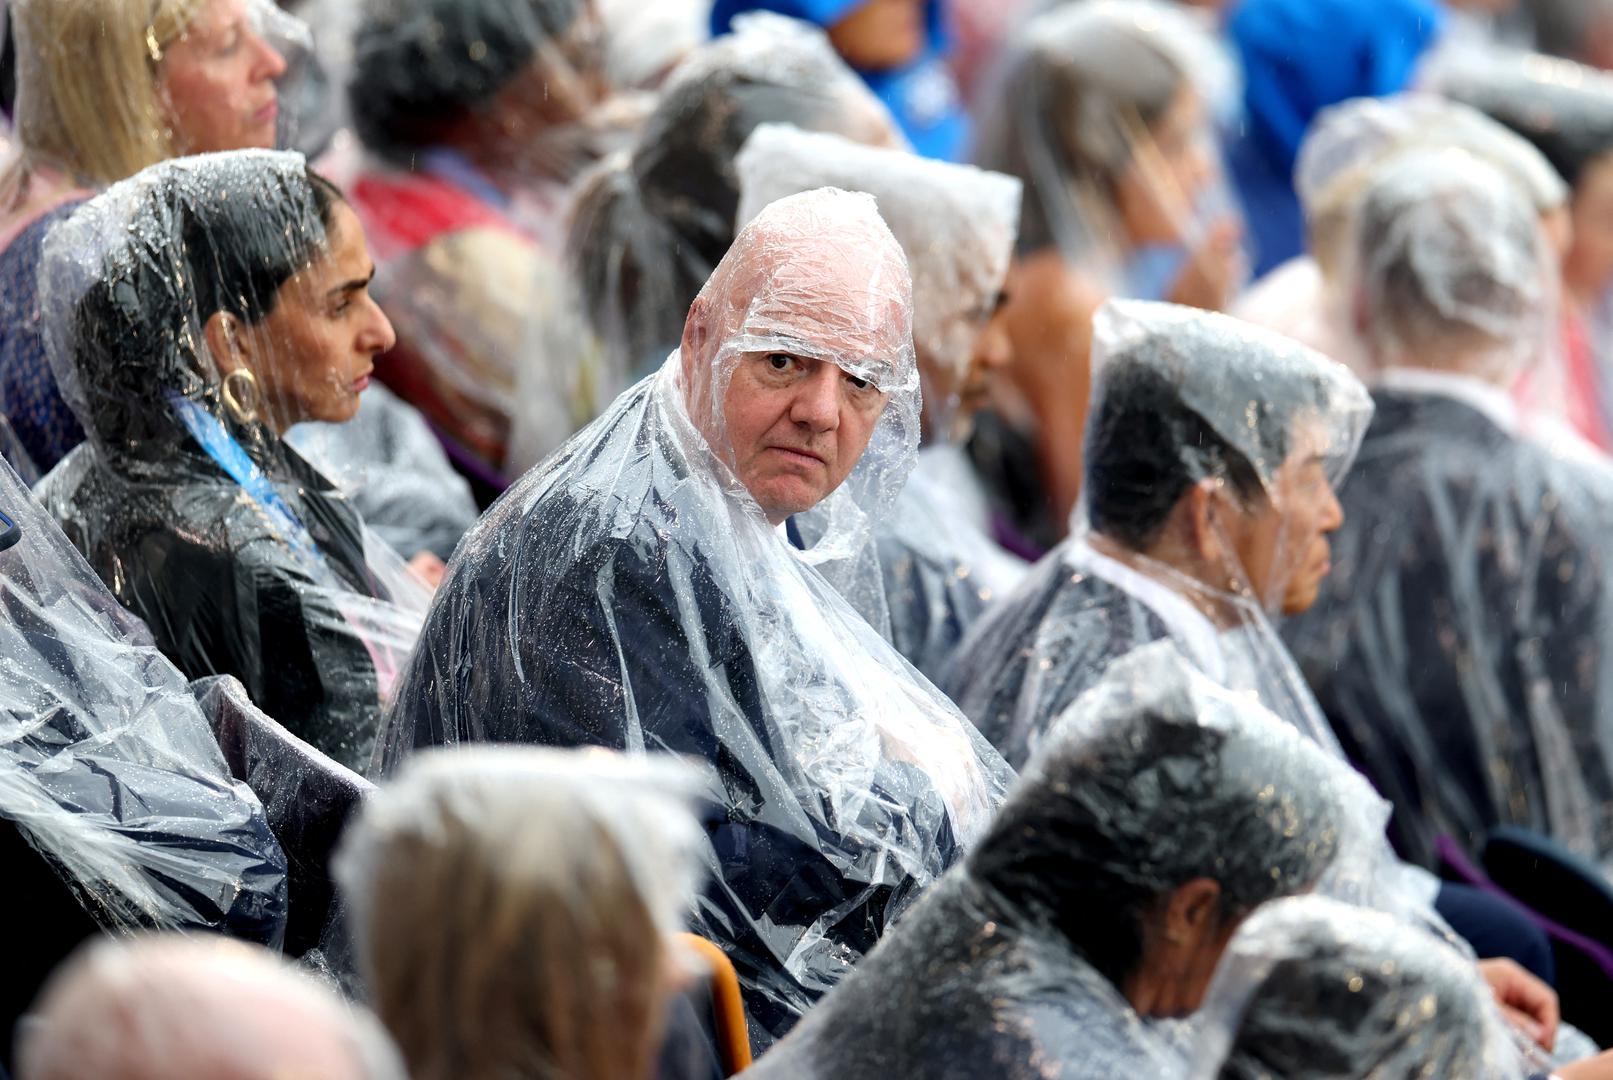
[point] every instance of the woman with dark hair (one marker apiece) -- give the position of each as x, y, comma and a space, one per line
1097, 113
193, 313
648, 227
475, 115
1102, 896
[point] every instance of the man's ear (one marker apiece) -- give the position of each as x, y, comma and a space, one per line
222, 332
691, 354
1204, 514
1194, 909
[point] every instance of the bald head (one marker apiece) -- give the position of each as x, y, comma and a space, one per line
793, 349
203, 1008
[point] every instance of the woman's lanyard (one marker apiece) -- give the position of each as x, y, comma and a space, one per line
210, 433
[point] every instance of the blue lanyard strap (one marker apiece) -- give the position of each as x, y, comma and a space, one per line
210, 433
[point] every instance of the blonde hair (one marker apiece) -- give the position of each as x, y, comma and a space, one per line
87, 100
510, 912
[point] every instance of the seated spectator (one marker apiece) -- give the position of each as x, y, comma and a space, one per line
491, 948
1213, 453
1213, 449
1162, 813
1311, 989
193, 314
1456, 647
1307, 298
104, 89
1565, 110
475, 115
116, 810
956, 225
900, 49
678, 190
1097, 114
1299, 57
651, 589
202, 1009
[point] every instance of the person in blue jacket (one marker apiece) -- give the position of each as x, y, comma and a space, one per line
899, 47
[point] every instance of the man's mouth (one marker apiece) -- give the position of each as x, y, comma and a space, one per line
804, 457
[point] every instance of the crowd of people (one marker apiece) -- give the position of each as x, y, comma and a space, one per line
1039, 538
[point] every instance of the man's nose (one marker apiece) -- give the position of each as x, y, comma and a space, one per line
816, 404
1332, 513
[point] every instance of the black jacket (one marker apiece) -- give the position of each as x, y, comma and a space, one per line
1462, 648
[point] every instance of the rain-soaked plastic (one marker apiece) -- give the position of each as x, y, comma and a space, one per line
1459, 645
1012, 965
1097, 110
1202, 426
105, 88
1312, 989
649, 226
1447, 255
1252, 417
474, 116
956, 225
632, 593
89, 109
107, 766
1309, 298
392, 468
240, 556
493, 948
1092, 97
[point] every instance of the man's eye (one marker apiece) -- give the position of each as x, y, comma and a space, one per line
859, 384
780, 361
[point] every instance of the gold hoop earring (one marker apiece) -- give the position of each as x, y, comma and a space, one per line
240, 392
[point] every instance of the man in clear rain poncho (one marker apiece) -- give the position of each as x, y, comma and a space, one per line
116, 808
1460, 648
957, 225
649, 589
1213, 450
1158, 815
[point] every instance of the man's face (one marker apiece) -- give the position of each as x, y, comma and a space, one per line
1282, 543
796, 428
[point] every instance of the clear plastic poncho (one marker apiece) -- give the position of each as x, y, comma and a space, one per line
631, 593
107, 767
1313, 989
240, 556
475, 116
1459, 645
1011, 965
1092, 92
1199, 421
648, 227
391, 467
956, 225
1308, 298
573, 974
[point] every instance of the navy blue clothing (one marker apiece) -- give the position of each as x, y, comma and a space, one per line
43, 425
1495, 928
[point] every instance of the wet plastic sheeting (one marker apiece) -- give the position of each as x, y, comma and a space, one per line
1011, 965
1311, 989
241, 558
632, 593
107, 767
956, 225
